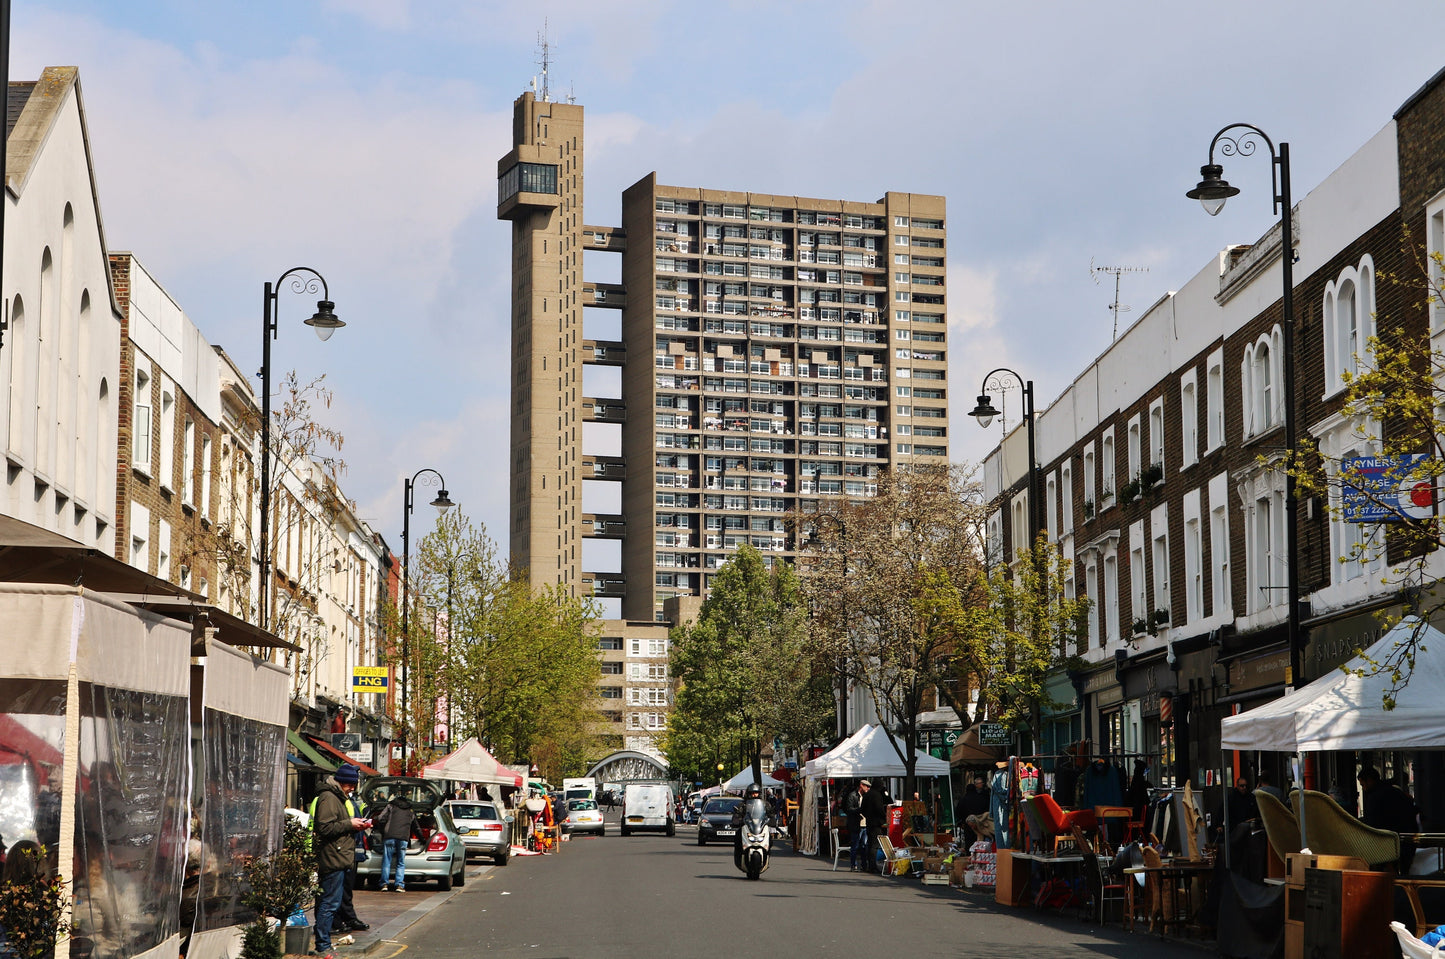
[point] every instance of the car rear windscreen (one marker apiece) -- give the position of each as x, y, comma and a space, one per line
463, 810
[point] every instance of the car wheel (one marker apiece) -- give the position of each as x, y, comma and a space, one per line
461, 878
700, 840
502, 860
444, 883
625, 831
671, 828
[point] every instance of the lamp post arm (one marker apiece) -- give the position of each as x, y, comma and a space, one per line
304, 279
1243, 144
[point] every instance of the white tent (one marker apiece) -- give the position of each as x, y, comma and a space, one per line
744, 779
871, 754
811, 769
472, 763
1342, 711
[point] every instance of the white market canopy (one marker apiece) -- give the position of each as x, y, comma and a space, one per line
869, 752
471, 763
744, 779
811, 769
1342, 711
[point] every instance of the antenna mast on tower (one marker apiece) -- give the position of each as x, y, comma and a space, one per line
544, 53
1116, 307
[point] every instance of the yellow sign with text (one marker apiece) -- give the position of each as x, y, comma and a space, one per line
368, 679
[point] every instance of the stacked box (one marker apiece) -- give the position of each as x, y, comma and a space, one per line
983, 868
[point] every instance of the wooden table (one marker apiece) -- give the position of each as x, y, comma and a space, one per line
1050, 864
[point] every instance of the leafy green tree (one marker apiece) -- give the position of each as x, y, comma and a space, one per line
517, 666
1025, 628
887, 579
744, 669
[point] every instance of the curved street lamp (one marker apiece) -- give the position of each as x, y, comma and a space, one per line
443, 503
1213, 190
325, 322
985, 412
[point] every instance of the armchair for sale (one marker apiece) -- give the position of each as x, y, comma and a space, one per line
1280, 827
1330, 831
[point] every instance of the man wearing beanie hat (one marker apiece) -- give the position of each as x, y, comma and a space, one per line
335, 844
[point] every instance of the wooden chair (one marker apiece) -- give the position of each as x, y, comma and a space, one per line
1104, 887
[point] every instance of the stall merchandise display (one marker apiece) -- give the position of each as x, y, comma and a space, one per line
983, 865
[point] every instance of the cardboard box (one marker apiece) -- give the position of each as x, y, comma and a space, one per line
956, 870
935, 879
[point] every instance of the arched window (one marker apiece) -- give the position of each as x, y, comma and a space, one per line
16, 346
1261, 392
1349, 322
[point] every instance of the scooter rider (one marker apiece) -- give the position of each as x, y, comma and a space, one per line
753, 794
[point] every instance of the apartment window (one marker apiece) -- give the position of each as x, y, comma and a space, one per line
901, 334
1051, 500
1435, 238
1090, 500
1134, 442
1159, 524
1349, 307
993, 549
205, 477
1260, 394
1188, 420
1214, 400
900, 259
900, 221
1220, 597
140, 530
163, 550
168, 435
1156, 433
1066, 490
900, 239
1091, 582
1111, 597
189, 479
141, 455
901, 296
1019, 514
1139, 592
1357, 549
1264, 545
1193, 560
1106, 463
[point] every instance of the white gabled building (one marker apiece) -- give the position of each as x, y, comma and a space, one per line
60, 358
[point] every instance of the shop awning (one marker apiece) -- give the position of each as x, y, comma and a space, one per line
306, 752
333, 753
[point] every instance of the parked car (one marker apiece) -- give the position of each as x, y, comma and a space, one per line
485, 827
716, 819
436, 850
584, 816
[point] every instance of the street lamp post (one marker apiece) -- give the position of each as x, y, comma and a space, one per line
325, 322
442, 502
984, 412
1242, 139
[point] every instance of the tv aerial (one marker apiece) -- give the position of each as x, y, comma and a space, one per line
1115, 271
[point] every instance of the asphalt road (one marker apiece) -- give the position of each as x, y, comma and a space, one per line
649, 896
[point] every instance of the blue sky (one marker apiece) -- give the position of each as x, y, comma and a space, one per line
234, 140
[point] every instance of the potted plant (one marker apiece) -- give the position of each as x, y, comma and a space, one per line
1129, 492
30, 906
1140, 627
1088, 509
1106, 495
1151, 475
277, 884
1161, 617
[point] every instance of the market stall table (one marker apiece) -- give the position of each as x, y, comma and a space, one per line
1176, 877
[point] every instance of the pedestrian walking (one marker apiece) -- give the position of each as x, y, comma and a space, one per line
396, 822
335, 846
874, 808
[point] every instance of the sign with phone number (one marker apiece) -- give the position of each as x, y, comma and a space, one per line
369, 679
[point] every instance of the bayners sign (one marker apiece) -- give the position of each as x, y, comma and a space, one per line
1387, 489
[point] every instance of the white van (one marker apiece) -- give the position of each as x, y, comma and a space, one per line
647, 806
582, 787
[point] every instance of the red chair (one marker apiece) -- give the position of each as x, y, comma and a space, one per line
1058, 823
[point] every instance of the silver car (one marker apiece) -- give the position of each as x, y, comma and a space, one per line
485, 827
435, 851
584, 816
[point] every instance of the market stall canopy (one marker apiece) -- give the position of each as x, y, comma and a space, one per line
967, 751
744, 779
814, 766
471, 763
872, 754
1343, 711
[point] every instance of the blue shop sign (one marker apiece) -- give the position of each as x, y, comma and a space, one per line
1387, 489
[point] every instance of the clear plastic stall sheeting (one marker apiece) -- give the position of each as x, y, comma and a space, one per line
239, 798
93, 758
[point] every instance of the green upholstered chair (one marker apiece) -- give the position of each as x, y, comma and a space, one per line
1280, 824
1330, 831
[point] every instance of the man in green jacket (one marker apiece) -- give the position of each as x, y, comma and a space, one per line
334, 843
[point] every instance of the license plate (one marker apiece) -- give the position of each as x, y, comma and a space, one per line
634, 819
726, 832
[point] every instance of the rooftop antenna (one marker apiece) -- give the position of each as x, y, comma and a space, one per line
544, 52
1116, 307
